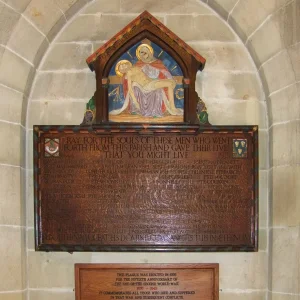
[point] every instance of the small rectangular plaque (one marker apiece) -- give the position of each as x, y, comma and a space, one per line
147, 282
146, 188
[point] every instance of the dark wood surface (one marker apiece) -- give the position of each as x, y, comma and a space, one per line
145, 188
147, 281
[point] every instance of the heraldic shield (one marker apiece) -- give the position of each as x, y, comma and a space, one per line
240, 148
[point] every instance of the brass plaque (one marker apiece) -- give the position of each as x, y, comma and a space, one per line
146, 188
147, 282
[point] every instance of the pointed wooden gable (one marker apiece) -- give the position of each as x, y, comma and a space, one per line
181, 64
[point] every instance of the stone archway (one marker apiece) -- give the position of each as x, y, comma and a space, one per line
277, 60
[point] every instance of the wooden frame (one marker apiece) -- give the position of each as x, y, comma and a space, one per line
194, 281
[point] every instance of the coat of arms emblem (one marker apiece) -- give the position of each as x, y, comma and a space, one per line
51, 147
240, 148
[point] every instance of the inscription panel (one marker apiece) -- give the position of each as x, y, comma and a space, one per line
185, 189
147, 282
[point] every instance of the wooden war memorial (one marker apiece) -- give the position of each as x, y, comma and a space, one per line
147, 281
146, 171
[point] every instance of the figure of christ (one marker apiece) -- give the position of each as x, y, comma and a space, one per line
136, 77
140, 97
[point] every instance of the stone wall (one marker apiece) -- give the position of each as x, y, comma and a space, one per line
231, 87
251, 77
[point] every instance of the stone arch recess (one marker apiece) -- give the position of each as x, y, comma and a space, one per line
281, 56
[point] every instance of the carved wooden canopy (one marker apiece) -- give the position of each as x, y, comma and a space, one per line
146, 73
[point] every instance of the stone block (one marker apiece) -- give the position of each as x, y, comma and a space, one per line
47, 270
263, 150
2, 50
287, 19
237, 112
10, 135
97, 45
195, 7
101, 27
265, 42
18, 5
11, 253
71, 7
286, 193
29, 141
224, 56
30, 196
139, 257
30, 78
56, 28
10, 105
245, 17
14, 71
293, 52
297, 18
10, 195
65, 5
243, 295
285, 143
24, 110
223, 7
73, 85
22, 148
166, 6
263, 240
281, 296
277, 72
200, 28
19, 40
23, 186
263, 199
240, 86
102, 6
285, 260
52, 295
263, 117
13, 296
30, 239
285, 105
9, 19
38, 11
67, 56
41, 52
56, 112
243, 271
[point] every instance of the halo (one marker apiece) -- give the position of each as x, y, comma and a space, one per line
143, 45
121, 62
